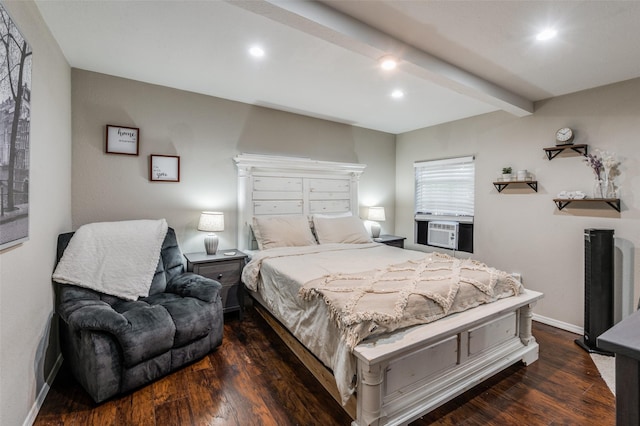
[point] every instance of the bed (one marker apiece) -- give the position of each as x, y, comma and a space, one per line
393, 371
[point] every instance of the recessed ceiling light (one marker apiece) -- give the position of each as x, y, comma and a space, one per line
546, 34
397, 94
388, 63
256, 52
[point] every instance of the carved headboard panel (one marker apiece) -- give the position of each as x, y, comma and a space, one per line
270, 185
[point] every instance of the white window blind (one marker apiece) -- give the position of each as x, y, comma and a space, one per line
445, 187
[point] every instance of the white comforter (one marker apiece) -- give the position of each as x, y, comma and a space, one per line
278, 274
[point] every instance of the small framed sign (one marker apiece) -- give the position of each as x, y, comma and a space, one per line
122, 140
165, 168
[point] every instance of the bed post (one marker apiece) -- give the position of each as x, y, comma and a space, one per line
526, 337
370, 395
244, 208
526, 315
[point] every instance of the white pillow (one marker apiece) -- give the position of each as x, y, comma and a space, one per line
348, 230
282, 231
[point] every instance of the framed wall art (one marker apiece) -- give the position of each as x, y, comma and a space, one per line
164, 168
122, 140
15, 125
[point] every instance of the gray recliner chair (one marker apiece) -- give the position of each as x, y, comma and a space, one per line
113, 345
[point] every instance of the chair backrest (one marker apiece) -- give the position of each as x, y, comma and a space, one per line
170, 263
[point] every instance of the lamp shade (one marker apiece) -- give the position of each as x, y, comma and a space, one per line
376, 213
211, 222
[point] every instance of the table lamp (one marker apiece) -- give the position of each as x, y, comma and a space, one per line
376, 214
211, 222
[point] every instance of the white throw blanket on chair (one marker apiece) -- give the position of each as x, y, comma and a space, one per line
116, 258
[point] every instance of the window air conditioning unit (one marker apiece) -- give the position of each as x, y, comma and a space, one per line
443, 234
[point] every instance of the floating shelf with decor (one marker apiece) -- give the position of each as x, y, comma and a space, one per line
500, 185
553, 151
614, 203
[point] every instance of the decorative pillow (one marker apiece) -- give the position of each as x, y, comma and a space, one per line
349, 230
282, 231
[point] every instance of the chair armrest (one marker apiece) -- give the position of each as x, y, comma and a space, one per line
98, 317
82, 309
189, 284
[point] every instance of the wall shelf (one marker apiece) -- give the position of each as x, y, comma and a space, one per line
552, 152
614, 203
500, 185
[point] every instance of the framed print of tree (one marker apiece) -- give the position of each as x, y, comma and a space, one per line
15, 121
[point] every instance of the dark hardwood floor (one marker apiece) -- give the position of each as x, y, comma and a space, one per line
253, 379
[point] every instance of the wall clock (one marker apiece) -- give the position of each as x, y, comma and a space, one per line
564, 136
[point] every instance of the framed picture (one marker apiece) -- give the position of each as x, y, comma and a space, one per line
15, 128
122, 140
165, 168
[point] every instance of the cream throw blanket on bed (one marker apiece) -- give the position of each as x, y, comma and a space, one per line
413, 292
116, 258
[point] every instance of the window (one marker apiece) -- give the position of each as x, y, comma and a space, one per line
445, 192
445, 187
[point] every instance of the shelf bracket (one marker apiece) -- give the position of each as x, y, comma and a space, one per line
581, 149
615, 204
500, 186
562, 204
551, 154
533, 185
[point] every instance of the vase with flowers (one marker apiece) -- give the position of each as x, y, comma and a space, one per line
604, 167
610, 170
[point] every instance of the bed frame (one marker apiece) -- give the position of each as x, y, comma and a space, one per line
405, 374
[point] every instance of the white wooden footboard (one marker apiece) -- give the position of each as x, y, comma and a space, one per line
411, 372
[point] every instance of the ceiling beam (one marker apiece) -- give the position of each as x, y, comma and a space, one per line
322, 21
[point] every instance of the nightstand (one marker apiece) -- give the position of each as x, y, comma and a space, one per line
227, 270
391, 240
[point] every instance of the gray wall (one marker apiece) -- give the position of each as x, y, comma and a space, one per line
28, 342
519, 230
206, 133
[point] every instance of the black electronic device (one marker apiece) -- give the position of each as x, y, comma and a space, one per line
598, 287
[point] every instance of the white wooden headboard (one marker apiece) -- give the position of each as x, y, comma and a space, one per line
271, 185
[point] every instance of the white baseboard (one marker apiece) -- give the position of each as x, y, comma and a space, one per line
35, 409
559, 324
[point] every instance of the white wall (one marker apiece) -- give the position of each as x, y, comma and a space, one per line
28, 337
519, 230
206, 133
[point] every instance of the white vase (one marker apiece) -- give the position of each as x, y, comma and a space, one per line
506, 177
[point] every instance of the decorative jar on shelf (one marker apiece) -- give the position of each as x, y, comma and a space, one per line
608, 190
604, 188
599, 189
